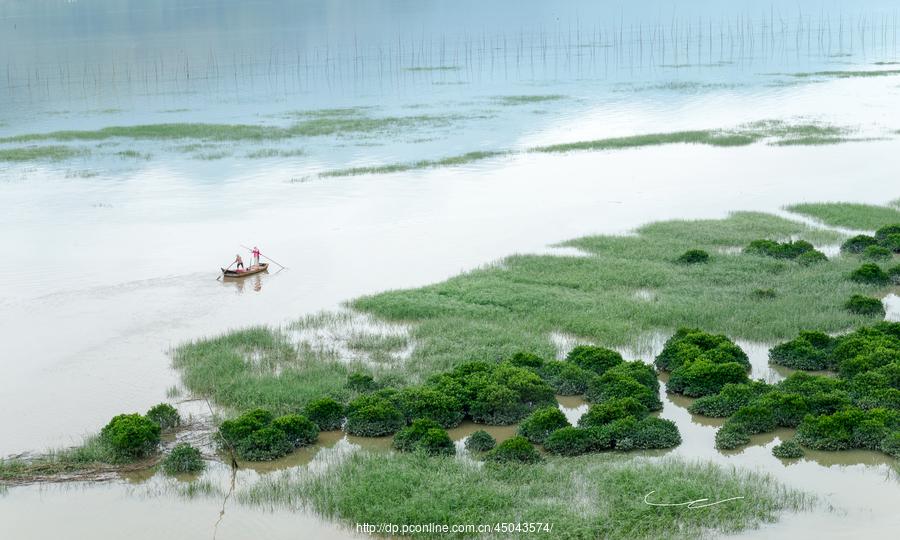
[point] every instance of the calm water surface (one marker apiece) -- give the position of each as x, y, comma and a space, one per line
122, 253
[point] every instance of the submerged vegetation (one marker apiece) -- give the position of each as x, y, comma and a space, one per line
39, 153
850, 215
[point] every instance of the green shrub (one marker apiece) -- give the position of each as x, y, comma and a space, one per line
131, 436
702, 377
373, 416
865, 305
639, 371
566, 378
572, 441
480, 441
653, 433
300, 430
326, 413
436, 442
788, 450
621, 433
731, 436
731, 398
827, 402
596, 359
787, 409
870, 274
882, 234
531, 390
891, 445
264, 444
894, 274
616, 385
231, 432
514, 450
407, 438
539, 424
811, 258
892, 243
183, 459
497, 405
361, 382
526, 360
165, 416
784, 250
612, 409
829, 432
691, 343
809, 350
858, 244
424, 402
693, 256
754, 418
877, 253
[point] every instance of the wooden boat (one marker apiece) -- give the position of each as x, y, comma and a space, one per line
244, 273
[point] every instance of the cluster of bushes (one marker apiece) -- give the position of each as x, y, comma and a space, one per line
700, 363
799, 250
183, 459
865, 305
788, 450
424, 435
257, 435
693, 256
885, 242
134, 436
858, 409
870, 274
480, 441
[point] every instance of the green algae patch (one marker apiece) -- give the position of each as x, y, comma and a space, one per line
848, 215
40, 153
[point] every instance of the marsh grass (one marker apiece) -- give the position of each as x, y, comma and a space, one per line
527, 99
133, 154
462, 159
264, 153
92, 454
865, 217
40, 153
583, 497
847, 74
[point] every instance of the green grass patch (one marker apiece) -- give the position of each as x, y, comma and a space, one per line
92, 454
527, 99
848, 215
265, 153
847, 74
39, 153
584, 497
133, 154
462, 159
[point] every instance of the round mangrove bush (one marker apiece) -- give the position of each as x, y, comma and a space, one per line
300, 430
592, 358
787, 409
809, 350
514, 450
892, 242
811, 258
326, 413
884, 233
496, 405
788, 450
639, 371
877, 253
539, 424
858, 244
613, 409
232, 432
891, 445
436, 442
692, 343
829, 432
264, 444
783, 250
183, 459
693, 256
754, 418
655, 433
361, 382
894, 274
407, 438
131, 436
526, 360
566, 378
164, 415
731, 398
701, 377
731, 436
572, 441
424, 402
480, 441
870, 274
865, 305
616, 385
531, 390
370, 415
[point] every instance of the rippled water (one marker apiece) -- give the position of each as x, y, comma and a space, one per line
115, 259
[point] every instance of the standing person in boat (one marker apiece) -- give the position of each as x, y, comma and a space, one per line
238, 261
255, 256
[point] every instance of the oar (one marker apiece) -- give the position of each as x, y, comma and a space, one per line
261, 255
226, 269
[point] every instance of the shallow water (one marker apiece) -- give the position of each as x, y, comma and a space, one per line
122, 254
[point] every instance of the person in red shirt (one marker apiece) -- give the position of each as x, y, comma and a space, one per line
255, 253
